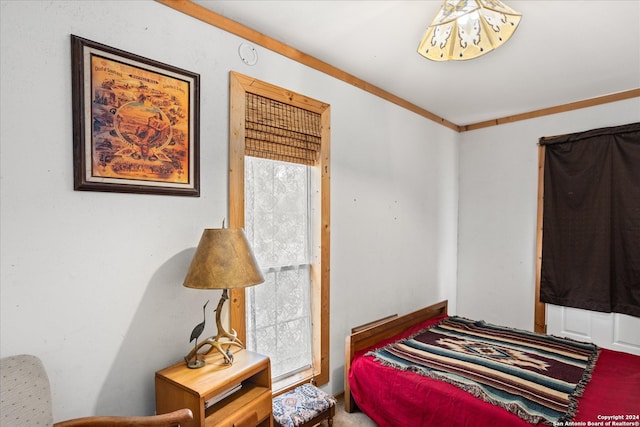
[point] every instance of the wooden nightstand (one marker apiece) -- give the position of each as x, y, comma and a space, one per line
180, 387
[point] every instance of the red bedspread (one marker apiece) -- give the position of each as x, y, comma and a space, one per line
394, 398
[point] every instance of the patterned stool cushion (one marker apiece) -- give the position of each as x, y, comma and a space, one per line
301, 405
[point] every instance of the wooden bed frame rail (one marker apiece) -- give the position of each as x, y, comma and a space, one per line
367, 335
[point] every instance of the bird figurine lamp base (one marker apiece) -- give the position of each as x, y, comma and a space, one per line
193, 361
221, 340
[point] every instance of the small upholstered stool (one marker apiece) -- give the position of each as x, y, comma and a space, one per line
304, 406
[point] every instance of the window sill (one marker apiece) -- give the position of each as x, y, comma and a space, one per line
293, 381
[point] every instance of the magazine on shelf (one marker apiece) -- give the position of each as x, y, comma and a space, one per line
219, 397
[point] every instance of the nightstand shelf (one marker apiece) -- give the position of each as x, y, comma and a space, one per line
180, 387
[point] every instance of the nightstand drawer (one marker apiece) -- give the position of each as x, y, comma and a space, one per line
250, 400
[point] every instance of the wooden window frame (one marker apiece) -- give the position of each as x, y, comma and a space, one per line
540, 308
239, 85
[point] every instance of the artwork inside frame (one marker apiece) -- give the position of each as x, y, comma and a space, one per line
135, 123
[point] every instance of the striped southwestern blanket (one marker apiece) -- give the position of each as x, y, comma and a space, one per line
537, 377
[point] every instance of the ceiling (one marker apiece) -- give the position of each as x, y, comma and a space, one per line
562, 52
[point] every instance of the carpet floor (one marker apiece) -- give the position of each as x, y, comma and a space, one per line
345, 419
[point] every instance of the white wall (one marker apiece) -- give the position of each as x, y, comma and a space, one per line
91, 282
498, 208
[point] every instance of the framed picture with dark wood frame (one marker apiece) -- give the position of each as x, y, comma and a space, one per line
135, 123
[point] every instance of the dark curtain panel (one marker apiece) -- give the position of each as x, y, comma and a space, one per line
591, 224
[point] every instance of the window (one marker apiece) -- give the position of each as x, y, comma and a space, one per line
284, 156
277, 225
588, 219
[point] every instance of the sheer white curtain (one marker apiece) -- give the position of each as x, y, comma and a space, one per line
277, 225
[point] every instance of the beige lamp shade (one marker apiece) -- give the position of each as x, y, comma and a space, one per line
223, 260
465, 29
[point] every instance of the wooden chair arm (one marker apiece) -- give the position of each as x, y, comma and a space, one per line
164, 420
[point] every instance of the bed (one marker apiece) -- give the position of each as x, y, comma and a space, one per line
379, 382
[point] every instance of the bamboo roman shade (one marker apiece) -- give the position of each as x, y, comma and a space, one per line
279, 131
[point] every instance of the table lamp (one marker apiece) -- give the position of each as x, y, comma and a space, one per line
223, 260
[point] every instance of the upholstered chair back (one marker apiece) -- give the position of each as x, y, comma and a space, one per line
25, 394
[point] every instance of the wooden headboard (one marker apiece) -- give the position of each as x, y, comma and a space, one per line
367, 335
